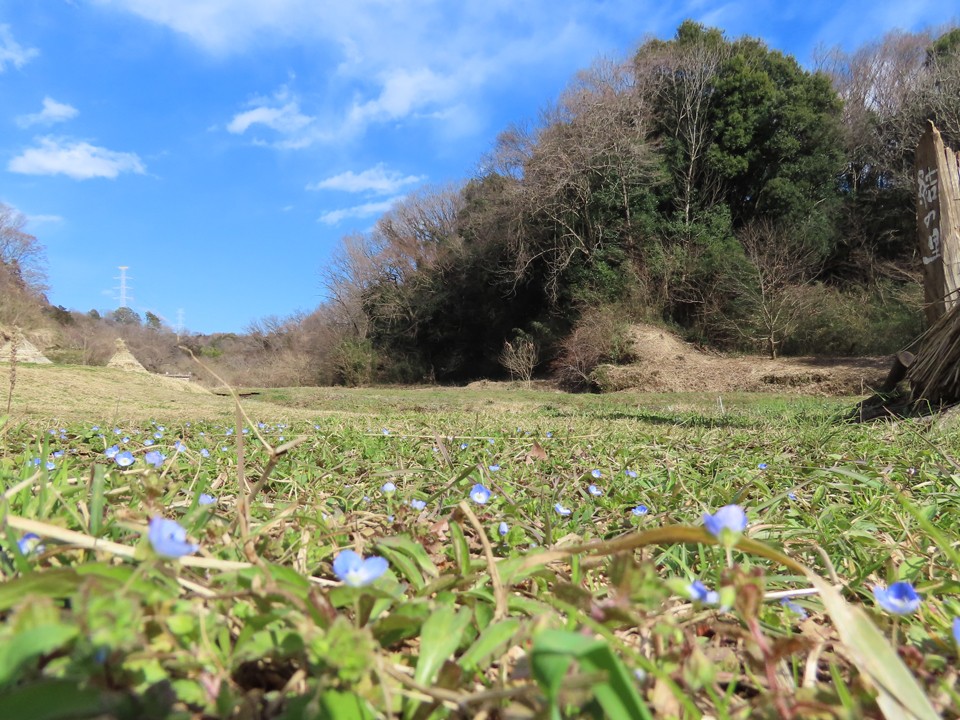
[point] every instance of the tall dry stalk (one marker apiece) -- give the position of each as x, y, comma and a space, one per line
14, 344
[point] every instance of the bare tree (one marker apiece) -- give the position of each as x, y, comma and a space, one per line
519, 358
595, 140
767, 286
20, 251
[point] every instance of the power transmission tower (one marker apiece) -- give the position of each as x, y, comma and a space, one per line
125, 296
179, 327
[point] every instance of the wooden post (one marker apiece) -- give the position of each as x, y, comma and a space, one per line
938, 222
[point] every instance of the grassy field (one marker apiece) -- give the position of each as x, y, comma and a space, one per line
586, 583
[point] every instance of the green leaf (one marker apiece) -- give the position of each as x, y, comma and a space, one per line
439, 639
555, 650
411, 549
50, 583
32, 643
491, 642
900, 696
461, 551
56, 700
97, 499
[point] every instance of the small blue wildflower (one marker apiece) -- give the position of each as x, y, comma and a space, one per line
154, 457
494, 468
161, 428
351, 569
701, 593
594, 490
549, 434
124, 459
95, 428
388, 487
224, 448
246, 431
630, 473
57, 453
464, 446
491, 441
36, 462
597, 474
503, 529
384, 431
793, 607
280, 439
956, 630
761, 466
899, 599
169, 539
179, 446
792, 495
389, 518
479, 494
125, 438
206, 499
30, 544
117, 431
561, 510
51, 465
640, 510
366, 498
148, 442
111, 452
418, 504
202, 433
729, 518
204, 453
158, 435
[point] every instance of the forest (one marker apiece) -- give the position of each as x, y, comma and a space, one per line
709, 184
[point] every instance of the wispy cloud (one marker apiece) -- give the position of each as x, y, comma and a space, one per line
334, 217
53, 112
280, 113
77, 159
377, 180
13, 52
44, 219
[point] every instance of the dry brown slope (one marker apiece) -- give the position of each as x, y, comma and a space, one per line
668, 364
72, 392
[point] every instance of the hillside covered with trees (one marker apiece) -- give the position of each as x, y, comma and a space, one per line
709, 183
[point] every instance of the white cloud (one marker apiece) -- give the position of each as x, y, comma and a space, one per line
402, 92
53, 112
13, 52
358, 211
285, 119
44, 219
377, 180
76, 159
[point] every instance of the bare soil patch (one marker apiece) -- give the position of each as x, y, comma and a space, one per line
668, 364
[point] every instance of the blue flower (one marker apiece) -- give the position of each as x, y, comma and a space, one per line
761, 466
148, 442
179, 446
594, 490
729, 518
479, 494
206, 499
353, 570
30, 544
51, 465
630, 473
111, 452
169, 539
205, 453
124, 459
899, 599
549, 434
463, 446
956, 630
701, 593
154, 457
418, 504
494, 468
158, 435
504, 529
561, 510
384, 431
596, 473
640, 510
388, 487
793, 607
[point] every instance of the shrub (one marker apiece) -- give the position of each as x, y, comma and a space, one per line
601, 335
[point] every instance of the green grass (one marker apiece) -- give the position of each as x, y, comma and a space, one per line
580, 616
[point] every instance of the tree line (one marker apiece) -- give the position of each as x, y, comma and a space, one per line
709, 183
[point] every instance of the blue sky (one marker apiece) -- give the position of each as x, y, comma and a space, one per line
221, 148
